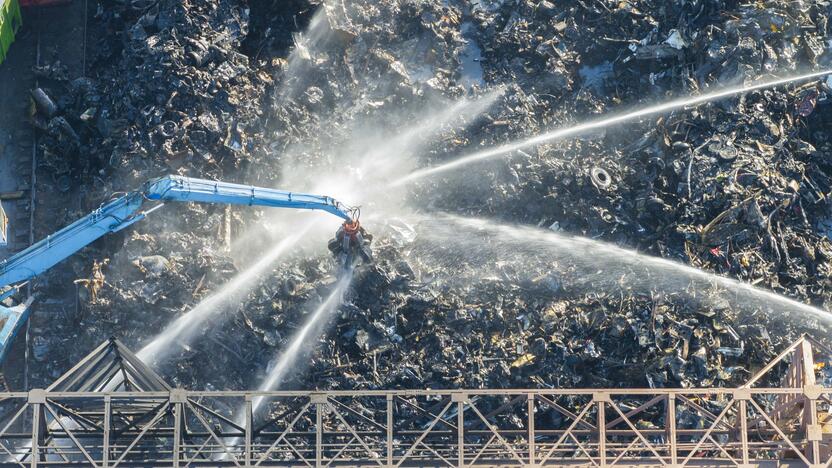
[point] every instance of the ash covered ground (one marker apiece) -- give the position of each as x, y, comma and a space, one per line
343, 98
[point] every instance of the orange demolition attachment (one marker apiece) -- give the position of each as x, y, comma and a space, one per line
351, 245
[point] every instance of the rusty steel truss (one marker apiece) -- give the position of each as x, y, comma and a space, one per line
111, 410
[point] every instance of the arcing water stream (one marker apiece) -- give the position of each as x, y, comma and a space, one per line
299, 347
186, 327
406, 143
483, 243
304, 340
560, 133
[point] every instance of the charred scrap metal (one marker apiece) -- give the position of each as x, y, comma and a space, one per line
222, 88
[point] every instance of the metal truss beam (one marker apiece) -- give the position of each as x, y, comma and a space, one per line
75, 423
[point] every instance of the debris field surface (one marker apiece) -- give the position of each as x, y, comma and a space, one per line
344, 97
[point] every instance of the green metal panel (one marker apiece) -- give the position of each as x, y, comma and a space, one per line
10, 21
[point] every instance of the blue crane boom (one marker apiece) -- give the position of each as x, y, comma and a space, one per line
123, 211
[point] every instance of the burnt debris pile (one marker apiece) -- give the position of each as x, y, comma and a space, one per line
295, 94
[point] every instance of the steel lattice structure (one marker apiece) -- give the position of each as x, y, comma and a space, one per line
111, 410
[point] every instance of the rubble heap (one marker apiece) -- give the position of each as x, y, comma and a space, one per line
209, 88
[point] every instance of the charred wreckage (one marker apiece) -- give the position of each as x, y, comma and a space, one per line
259, 92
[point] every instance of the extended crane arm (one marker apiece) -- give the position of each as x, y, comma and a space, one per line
123, 211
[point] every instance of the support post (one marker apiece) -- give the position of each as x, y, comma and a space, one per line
389, 430
460, 431
670, 422
319, 435
36, 409
602, 433
530, 410
177, 433
743, 415
37, 398
105, 450
249, 423
460, 399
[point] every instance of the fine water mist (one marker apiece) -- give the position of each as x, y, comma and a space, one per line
598, 124
488, 250
186, 327
293, 357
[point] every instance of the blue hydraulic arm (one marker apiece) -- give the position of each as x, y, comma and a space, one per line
123, 211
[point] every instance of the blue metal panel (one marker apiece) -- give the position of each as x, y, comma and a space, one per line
11, 321
44, 254
176, 188
122, 212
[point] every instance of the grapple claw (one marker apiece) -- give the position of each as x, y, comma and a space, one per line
351, 245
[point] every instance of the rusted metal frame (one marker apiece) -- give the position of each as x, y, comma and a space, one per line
460, 432
496, 433
105, 444
91, 369
708, 432
297, 452
637, 433
22, 409
530, 427
389, 442
652, 402
207, 426
153, 379
573, 392
703, 412
356, 413
135, 423
583, 450
198, 450
352, 431
427, 412
743, 417
69, 433
722, 449
338, 454
319, 433
177, 433
100, 378
249, 423
96, 353
779, 432
565, 411
55, 450
601, 419
624, 452
432, 450
670, 426
772, 363
125, 379
425, 433
138, 377
153, 422
778, 409
279, 417
513, 402
283, 434
217, 415
563, 437
482, 450
77, 416
35, 435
